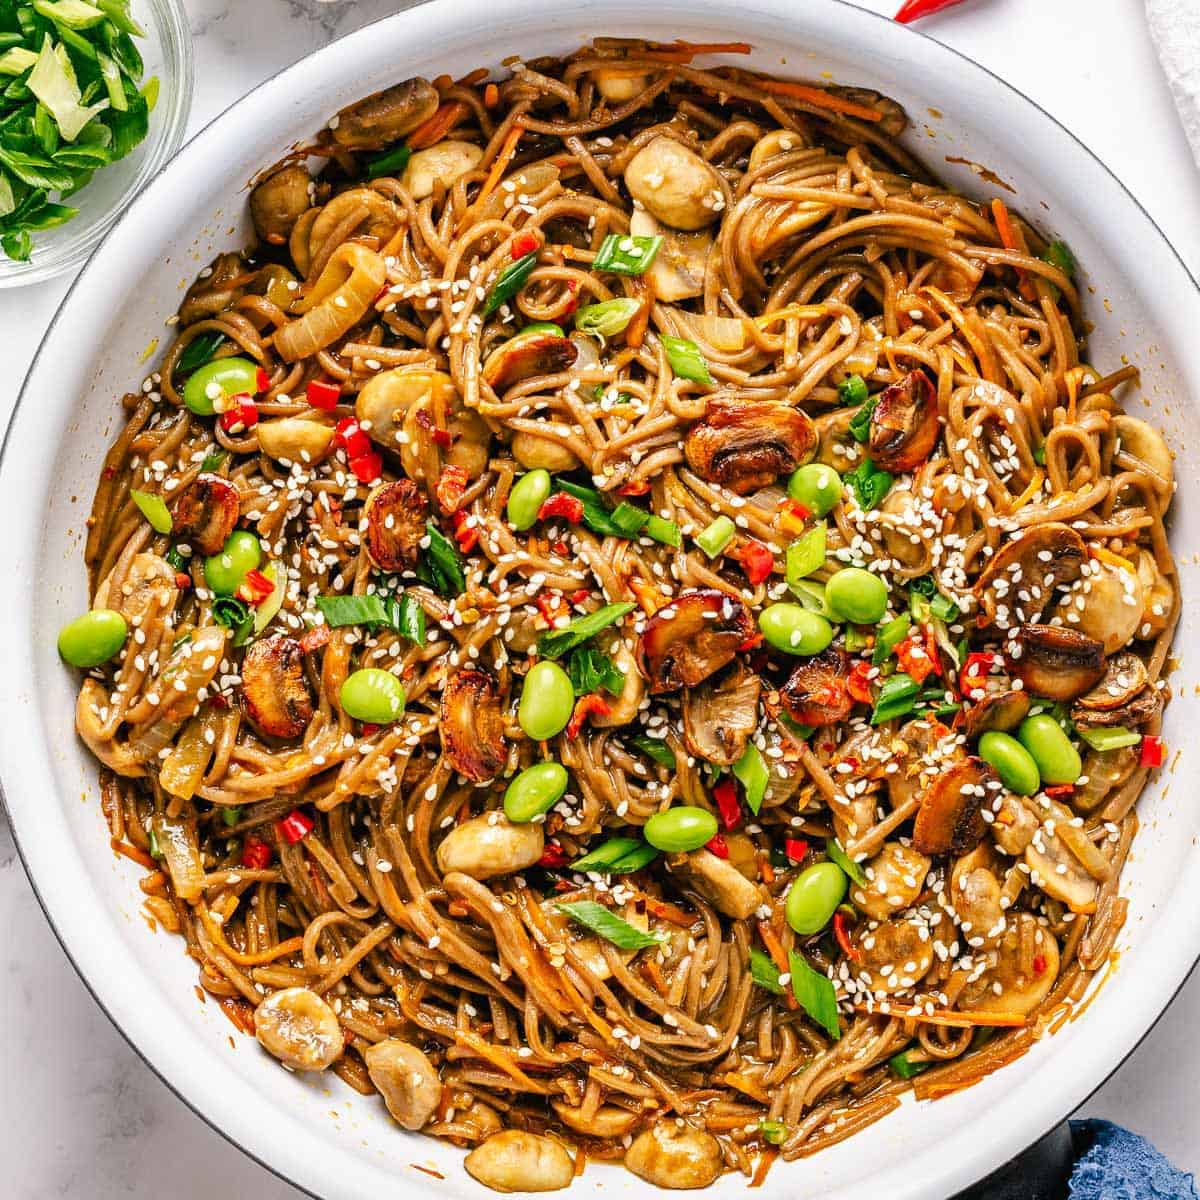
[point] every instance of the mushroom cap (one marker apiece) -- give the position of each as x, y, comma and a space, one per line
747, 445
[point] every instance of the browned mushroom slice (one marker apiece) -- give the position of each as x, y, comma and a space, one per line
1054, 662
472, 725
691, 638
385, 116
275, 692
538, 352
1020, 578
891, 956
747, 446
395, 515
1124, 678
997, 710
205, 512
277, 202
218, 290
950, 819
1024, 968
904, 425
1143, 707
721, 714
816, 692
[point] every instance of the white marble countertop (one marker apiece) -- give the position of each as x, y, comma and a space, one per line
83, 1116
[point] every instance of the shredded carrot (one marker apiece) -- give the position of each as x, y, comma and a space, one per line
635, 331
778, 956
652, 972
746, 1086
138, 856
667, 911
766, 1160
797, 311
647, 596
430, 132
766, 871
944, 1017
1010, 239
507, 150
820, 97
476, 76
1113, 560
239, 1012
580, 1161
496, 1057
442, 82
491, 96
1034, 486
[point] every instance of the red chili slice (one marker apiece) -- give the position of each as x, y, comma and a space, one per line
562, 505
586, 706
757, 561
728, 805
367, 467
323, 395
295, 827
256, 854
716, 845
795, 849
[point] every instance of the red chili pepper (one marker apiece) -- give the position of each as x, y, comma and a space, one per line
795, 849
1039, 964
348, 434
243, 415
551, 605
914, 10
262, 381
441, 437
573, 302
553, 855
256, 854
183, 580
915, 658
728, 804
467, 536
1152, 751
255, 588
368, 729
523, 244
974, 671
295, 827
716, 845
586, 706
560, 547
580, 596
562, 505
633, 489
315, 638
751, 643
323, 395
757, 561
367, 467
1060, 791
451, 485
842, 935
858, 683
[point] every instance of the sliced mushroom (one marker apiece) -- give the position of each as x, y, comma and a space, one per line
618, 86
921, 750
1054, 662
215, 291
836, 445
395, 515
891, 956
997, 710
675, 184
299, 1029
277, 202
748, 445
472, 725
816, 692
295, 439
975, 896
516, 1161
490, 845
677, 272
722, 884
1107, 604
774, 143
1124, 677
720, 715
205, 512
691, 638
1145, 706
443, 163
406, 1079
1032, 565
624, 708
950, 819
1159, 602
533, 352
904, 424
90, 706
275, 691
895, 878
606, 1122
148, 589
1057, 872
385, 116
1024, 968
671, 1154
1141, 447
900, 522
533, 452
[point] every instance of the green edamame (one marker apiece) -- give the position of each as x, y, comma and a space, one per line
794, 629
814, 896
528, 495
373, 695
816, 486
1014, 764
223, 377
856, 595
680, 829
546, 701
535, 791
225, 571
93, 638
1057, 759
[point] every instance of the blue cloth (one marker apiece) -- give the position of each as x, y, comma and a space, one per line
1115, 1164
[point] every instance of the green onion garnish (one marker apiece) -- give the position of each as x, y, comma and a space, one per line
608, 925
236, 615
444, 562
715, 537
889, 637
856, 639
860, 423
556, 642
155, 848
835, 853
512, 280
752, 773
591, 670
1113, 738
764, 972
654, 748
213, 459
608, 318
404, 615
773, 1132
815, 994
154, 509
1058, 254
869, 484
409, 619
176, 559
806, 554
685, 359
852, 390
196, 353
231, 815
943, 608
628, 518
896, 698
662, 530
906, 1069
392, 162
1039, 455
625, 254
617, 856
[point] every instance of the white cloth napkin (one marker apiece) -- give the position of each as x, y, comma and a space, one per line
1175, 30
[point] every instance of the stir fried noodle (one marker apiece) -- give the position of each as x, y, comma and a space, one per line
666, 428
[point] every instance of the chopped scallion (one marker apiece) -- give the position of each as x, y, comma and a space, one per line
889, 637
557, 642
815, 994
654, 748
512, 280
625, 254
869, 484
896, 698
685, 359
715, 537
852, 390
608, 318
752, 773
392, 162
154, 509
835, 853
1113, 738
764, 972
806, 554
608, 925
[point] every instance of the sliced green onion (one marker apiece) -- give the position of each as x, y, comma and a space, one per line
512, 280
628, 518
1039, 455
896, 698
392, 162
773, 1132
625, 254
444, 562
1113, 738
869, 484
815, 994
901, 1065
835, 854
685, 359
596, 514
662, 530
857, 638
806, 554
591, 670
715, 537
764, 972
654, 748
213, 459
199, 351
889, 637
860, 423
176, 559
811, 596
752, 773
797, 730
155, 848
231, 816
556, 642
608, 318
618, 856
1058, 254
410, 619
352, 610
852, 390
234, 615
608, 925
154, 509
943, 608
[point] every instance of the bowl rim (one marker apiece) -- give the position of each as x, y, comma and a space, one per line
494, 11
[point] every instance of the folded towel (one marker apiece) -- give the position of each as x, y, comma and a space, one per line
1115, 1164
1175, 31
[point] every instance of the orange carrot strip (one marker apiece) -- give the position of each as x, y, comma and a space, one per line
819, 97
747, 1087
766, 1160
667, 911
507, 150
635, 331
682, 47
476, 76
491, 96
1011, 241
138, 856
778, 956
497, 1057
430, 132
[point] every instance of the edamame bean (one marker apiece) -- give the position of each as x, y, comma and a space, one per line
528, 495
1057, 759
1014, 764
373, 695
814, 896
680, 828
816, 486
535, 791
856, 595
794, 629
223, 377
241, 553
546, 701
93, 638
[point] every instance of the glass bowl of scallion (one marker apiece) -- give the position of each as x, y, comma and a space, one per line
94, 99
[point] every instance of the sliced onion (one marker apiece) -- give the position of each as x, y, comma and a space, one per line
339, 299
181, 855
727, 334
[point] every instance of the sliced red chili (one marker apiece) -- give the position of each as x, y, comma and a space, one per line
1152, 751
728, 804
858, 682
917, 655
591, 704
183, 580
842, 935
255, 588
914, 10
716, 845
256, 854
553, 855
551, 605
323, 395
974, 672
1039, 964
466, 534
580, 596
795, 849
757, 561
242, 415
295, 827
315, 638
523, 244
1060, 791
262, 381
441, 437
367, 467
348, 434
633, 489
562, 505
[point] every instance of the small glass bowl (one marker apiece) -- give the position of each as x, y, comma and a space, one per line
167, 52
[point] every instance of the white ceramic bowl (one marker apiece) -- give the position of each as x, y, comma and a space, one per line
317, 1133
